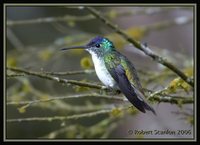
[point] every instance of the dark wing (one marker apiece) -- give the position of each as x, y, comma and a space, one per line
131, 73
118, 72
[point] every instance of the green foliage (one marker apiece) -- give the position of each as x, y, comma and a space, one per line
71, 23
112, 14
116, 112
45, 54
178, 83
132, 111
23, 109
190, 120
12, 61
86, 63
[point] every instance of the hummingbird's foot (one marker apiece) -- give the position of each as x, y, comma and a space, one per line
117, 92
112, 91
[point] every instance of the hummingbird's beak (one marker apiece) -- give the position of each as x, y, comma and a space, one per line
75, 47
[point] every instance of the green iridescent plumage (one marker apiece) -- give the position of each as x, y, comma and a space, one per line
107, 44
112, 59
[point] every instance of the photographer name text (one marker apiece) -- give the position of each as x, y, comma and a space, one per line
159, 132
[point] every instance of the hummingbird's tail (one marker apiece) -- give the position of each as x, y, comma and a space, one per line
137, 99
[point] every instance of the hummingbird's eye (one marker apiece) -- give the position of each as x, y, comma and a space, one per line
97, 45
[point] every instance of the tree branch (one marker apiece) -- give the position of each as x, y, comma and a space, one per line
49, 20
155, 96
14, 75
172, 99
70, 72
57, 79
110, 14
142, 47
61, 118
67, 97
175, 100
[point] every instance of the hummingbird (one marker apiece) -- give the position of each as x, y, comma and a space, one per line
115, 71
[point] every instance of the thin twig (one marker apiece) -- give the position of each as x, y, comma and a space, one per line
172, 99
158, 92
153, 97
66, 97
57, 79
110, 14
14, 75
76, 72
48, 20
142, 47
61, 118
70, 72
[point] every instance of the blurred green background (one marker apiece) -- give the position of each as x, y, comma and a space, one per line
34, 35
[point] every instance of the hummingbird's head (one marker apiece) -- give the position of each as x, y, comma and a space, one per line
98, 45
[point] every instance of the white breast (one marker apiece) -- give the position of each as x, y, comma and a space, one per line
102, 72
